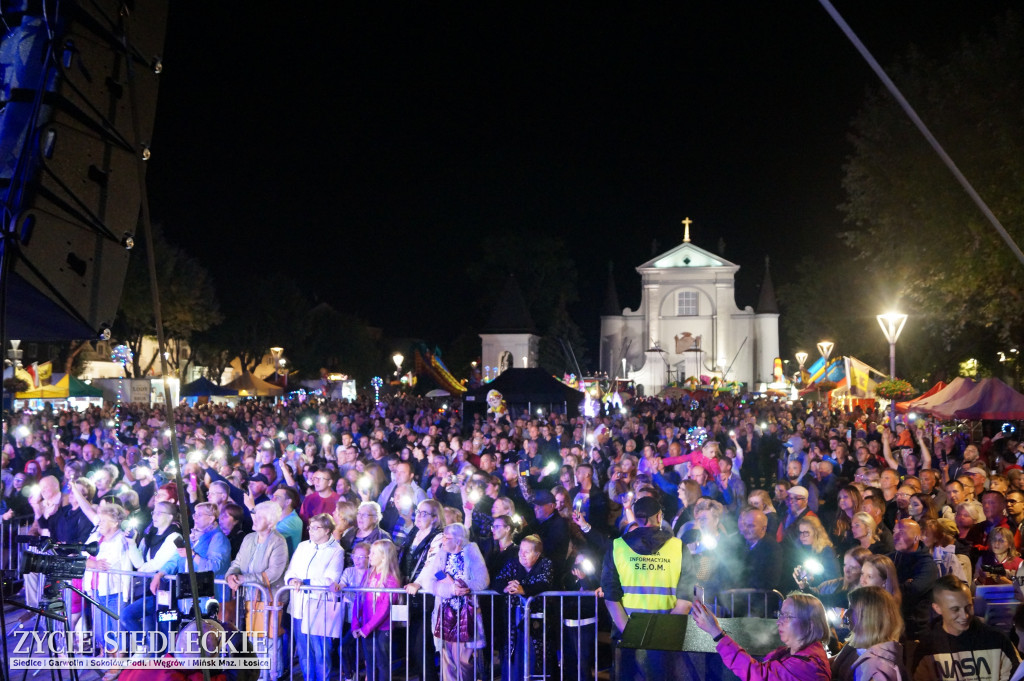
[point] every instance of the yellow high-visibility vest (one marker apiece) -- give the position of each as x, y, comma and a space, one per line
648, 582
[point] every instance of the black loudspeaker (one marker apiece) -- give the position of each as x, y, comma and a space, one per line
78, 102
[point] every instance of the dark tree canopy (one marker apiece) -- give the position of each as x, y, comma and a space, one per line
914, 240
188, 301
912, 225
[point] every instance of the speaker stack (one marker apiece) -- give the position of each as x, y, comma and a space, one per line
77, 104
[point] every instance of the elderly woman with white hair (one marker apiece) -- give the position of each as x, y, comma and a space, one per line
367, 529
263, 557
452, 575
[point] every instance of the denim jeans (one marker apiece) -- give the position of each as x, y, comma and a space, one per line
314, 654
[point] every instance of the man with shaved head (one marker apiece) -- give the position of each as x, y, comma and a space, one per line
759, 564
916, 571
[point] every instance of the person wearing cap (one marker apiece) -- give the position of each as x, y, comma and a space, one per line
647, 571
551, 527
794, 448
797, 508
257, 492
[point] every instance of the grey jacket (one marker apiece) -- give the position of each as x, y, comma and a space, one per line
254, 560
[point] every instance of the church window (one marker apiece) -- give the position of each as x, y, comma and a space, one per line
686, 304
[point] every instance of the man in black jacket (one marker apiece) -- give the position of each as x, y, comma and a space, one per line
916, 571
758, 565
552, 529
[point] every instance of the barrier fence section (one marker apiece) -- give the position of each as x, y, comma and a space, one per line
569, 618
10, 549
483, 635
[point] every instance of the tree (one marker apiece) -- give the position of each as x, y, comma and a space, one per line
337, 342
187, 299
562, 348
912, 227
266, 310
546, 274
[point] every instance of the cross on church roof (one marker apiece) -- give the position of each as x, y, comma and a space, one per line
686, 234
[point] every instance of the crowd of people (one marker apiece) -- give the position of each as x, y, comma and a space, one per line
853, 519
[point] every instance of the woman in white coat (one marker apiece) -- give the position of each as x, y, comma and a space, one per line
316, 615
116, 552
451, 575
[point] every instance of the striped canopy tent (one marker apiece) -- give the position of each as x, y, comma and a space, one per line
990, 398
958, 387
904, 407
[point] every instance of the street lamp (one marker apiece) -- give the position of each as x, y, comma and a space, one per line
892, 324
801, 357
398, 358
15, 354
277, 354
825, 348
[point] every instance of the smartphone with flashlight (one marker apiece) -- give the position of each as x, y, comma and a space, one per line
698, 592
524, 468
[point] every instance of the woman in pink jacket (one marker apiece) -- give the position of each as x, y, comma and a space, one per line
803, 629
371, 620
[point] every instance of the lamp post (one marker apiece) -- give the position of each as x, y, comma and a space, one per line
825, 348
15, 354
277, 354
398, 358
892, 324
801, 357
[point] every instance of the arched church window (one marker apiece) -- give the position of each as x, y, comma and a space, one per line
686, 304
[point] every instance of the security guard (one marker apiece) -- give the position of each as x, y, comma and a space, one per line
647, 570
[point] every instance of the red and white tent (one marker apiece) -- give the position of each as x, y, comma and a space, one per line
958, 387
990, 398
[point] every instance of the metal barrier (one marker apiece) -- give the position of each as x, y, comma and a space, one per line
550, 635
575, 613
757, 602
10, 550
321, 624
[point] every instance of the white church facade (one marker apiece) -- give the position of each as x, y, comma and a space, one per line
688, 324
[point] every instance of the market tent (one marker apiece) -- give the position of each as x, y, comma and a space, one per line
904, 407
74, 387
958, 387
525, 389
989, 399
44, 392
204, 387
248, 385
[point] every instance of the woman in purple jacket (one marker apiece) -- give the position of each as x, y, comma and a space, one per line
803, 629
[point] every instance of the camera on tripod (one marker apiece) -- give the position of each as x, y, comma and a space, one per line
57, 561
183, 587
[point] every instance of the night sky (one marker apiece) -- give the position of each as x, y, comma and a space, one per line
367, 150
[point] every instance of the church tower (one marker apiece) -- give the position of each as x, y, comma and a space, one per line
688, 324
509, 338
766, 323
